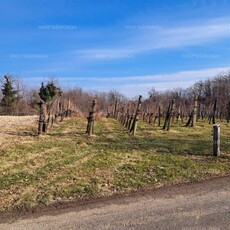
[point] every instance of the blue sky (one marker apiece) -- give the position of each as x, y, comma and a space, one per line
125, 45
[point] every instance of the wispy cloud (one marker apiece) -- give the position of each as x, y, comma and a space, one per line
191, 33
137, 41
208, 31
133, 85
168, 77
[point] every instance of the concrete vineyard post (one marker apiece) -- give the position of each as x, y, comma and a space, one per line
216, 140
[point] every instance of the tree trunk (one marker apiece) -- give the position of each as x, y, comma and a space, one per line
194, 113
90, 125
159, 116
136, 117
167, 116
171, 114
228, 113
214, 112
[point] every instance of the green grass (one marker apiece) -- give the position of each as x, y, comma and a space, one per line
66, 164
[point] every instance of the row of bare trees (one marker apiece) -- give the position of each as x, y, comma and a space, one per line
19, 99
54, 111
129, 115
207, 100
213, 102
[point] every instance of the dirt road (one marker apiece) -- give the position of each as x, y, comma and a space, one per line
200, 206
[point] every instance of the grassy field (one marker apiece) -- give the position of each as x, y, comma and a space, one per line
65, 164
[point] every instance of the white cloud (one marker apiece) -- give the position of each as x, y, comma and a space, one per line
194, 34
140, 41
134, 85
168, 77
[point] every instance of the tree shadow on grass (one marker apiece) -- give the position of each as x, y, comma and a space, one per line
158, 145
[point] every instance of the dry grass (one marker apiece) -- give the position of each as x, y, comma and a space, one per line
65, 164
15, 129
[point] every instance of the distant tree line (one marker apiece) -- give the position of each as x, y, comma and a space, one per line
17, 99
213, 96
206, 100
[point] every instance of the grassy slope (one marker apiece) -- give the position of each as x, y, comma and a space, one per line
66, 164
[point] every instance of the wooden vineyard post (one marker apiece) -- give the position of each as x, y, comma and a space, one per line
189, 120
122, 114
108, 114
130, 121
41, 119
131, 116
228, 113
42, 125
90, 118
216, 140
171, 114
159, 116
168, 116
68, 109
147, 112
150, 118
126, 116
52, 122
179, 116
57, 108
44, 108
62, 110
48, 114
136, 117
144, 116
115, 109
194, 114
214, 112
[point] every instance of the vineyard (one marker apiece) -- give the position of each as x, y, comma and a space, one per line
79, 145
65, 163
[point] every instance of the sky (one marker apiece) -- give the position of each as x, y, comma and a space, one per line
126, 45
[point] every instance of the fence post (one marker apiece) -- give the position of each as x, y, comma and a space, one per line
216, 140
